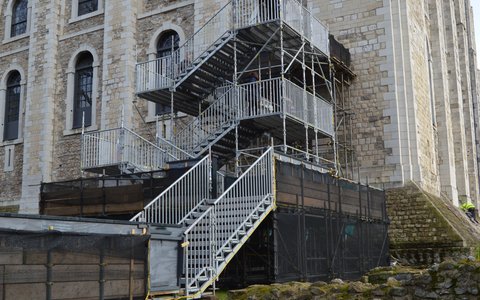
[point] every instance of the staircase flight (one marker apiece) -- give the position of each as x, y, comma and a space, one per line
217, 234
209, 39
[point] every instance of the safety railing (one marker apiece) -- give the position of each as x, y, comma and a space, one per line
174, 149
199, 254
173, 204
154, 74
121, 146
259, 98
265, 97
237, 203
209, 236
211, 32
304, 22
302, 155
308, 108
252, 12
252, 100
162, 72
209, 123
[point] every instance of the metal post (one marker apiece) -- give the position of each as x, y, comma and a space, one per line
172, 116
122, 117
334, 137
312, 73
282, 63
82, 145
101, 278
235, 91
305, 102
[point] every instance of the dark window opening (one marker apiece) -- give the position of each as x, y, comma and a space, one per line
12, 107
87, 6
82, 101
19, 18
167, 43
161, 109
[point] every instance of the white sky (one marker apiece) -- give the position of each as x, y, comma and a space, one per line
476, 16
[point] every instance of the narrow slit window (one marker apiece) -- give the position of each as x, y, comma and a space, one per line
82, 102
12, 107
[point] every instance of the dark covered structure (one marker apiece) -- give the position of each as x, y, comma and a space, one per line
323, 228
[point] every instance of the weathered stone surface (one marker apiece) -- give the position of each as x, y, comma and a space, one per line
425, 229
431, 283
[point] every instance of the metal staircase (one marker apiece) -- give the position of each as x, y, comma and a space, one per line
179, 199
215, 229
190, 79
217, 234
210, 126
206, 59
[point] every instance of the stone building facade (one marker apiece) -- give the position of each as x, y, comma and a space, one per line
415, 94
116, 34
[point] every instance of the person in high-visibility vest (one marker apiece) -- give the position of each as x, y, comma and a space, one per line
469, 210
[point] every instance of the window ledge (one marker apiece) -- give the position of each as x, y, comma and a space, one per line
12, 142
85, 16
79, 130
15, 38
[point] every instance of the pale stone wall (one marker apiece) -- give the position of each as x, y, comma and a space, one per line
119, 34
13, 56
38, 133
445, 152
422, 100
11, 181
365, 27
413, 96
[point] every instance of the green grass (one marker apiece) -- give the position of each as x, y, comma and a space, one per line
221, 295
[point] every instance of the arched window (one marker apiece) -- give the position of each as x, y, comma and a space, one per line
82, 99
12, 107
87, 6
167, 42
19, 18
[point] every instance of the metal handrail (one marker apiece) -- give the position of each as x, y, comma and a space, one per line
206, 36
121, 146
299, 154
210, 122
179, 153
314, 110
304, 22
247, 13
154, 74
252, 12
251, 100
259, 98
174, 203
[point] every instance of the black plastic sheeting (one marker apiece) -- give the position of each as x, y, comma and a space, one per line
321, 245
341, 233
